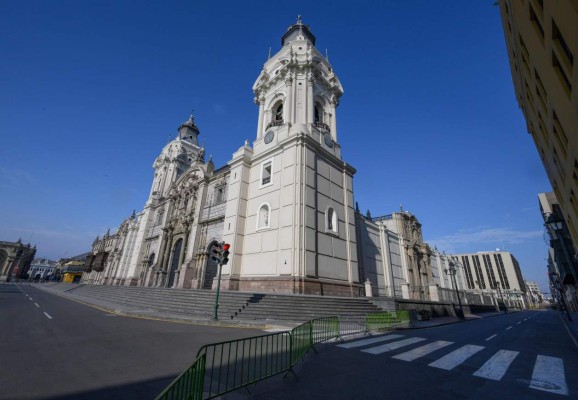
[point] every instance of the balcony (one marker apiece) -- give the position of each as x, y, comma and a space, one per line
274, 123
321, 126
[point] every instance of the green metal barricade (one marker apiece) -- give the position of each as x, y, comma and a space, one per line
188, 385
386, 320
226, 366
237, 363
301, 341
323, 329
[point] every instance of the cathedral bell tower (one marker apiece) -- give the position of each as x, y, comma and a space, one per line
176, 158
189, 132
298, 91
291, 221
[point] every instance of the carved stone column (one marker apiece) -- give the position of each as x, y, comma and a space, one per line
261, 102
309, 101
289, 99
333, 103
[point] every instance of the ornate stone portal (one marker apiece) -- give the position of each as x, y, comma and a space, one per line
15, 259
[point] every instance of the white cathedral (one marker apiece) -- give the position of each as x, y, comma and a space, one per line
285, 205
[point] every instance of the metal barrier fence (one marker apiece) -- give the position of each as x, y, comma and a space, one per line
226, 366
188, 385
237, 363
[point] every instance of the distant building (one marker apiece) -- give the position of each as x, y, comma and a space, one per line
15, 260
70, 269
41, 269
496, 272
542, 41
534, 294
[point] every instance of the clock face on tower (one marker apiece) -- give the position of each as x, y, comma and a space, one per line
328, 140
269, 137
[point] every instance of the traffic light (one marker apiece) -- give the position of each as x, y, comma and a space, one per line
225, 254
217, 253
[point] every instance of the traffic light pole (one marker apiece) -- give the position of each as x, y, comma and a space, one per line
216, 314
221, 256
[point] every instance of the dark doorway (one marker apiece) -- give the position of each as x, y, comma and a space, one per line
211, 269
175, 262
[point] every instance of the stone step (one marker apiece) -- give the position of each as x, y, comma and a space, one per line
169, 302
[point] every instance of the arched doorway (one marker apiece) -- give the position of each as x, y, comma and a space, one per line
210, 269
3, 258
175, 262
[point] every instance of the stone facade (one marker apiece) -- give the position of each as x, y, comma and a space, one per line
15, 260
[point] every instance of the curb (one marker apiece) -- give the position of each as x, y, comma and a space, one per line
456, 322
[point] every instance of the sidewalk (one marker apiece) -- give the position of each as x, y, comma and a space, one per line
571, 326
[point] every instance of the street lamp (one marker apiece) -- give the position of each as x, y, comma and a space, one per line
451, 271
498, 285
557, 286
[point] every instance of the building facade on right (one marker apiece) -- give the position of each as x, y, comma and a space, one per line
562, 263
542, 41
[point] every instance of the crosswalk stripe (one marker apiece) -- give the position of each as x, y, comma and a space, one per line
422, 351
366, 342
549, 376
392, 346
496, 367
456, 357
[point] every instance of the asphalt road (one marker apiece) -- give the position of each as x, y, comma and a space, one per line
522, 355
55, 348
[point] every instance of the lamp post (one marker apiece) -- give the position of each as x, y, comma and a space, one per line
451, 271
498, 285
557, 286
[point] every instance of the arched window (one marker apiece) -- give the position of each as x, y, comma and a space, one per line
151, 260
331, 220
264, 216
278, 113
318, 115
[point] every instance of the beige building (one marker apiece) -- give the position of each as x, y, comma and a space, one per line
542, 42
493, 272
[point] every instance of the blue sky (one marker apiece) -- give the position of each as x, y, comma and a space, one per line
90, 92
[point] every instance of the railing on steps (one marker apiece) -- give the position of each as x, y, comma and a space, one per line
227, 366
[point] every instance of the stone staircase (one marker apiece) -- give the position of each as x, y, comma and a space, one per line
298, 308
233, 306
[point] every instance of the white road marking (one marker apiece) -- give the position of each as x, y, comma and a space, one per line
496, 367
392, 346
30, 298
49, 317
549, 376
456, 357
422, 351
518, 323
36, 304
509, 327
491, 337
365, 342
